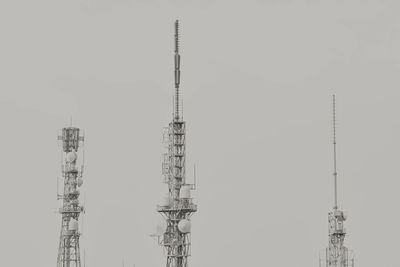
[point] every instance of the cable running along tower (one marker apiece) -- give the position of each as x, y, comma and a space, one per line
336, 254
68, 251
177, 206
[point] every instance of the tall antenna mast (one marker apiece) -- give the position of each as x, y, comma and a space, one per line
177, 206
335, 206
177, 70
336, 254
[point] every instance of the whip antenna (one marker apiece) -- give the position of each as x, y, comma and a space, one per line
334, 153
177, 69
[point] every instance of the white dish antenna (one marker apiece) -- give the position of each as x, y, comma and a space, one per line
184, 226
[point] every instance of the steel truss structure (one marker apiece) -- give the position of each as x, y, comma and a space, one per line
179, 207
69, 251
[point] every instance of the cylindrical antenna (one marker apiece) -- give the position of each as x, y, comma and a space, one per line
334, 154
177, 69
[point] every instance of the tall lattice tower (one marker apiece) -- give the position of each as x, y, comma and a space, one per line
177, 206
68, 251
336, 254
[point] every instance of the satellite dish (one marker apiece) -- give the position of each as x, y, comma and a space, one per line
184, 226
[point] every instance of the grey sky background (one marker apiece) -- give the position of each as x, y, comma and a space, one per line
257, 80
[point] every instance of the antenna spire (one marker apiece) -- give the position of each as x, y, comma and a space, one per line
177, 69
178, 206
334, 153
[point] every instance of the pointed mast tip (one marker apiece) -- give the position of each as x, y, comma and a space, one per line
177, 59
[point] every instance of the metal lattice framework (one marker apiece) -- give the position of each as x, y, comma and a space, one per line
336, 254
68, 251
179, 207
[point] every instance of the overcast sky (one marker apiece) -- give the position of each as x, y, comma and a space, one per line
257, 81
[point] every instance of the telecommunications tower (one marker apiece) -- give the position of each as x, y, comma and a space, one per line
68, 251
336, 254
177, 206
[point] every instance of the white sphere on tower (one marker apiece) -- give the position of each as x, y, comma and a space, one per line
184, 226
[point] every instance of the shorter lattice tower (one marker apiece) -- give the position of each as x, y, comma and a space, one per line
177, 206
68, 251
336, 254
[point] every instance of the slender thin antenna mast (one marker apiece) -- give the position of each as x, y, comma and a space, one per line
177, 69
336, 253
334, 153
